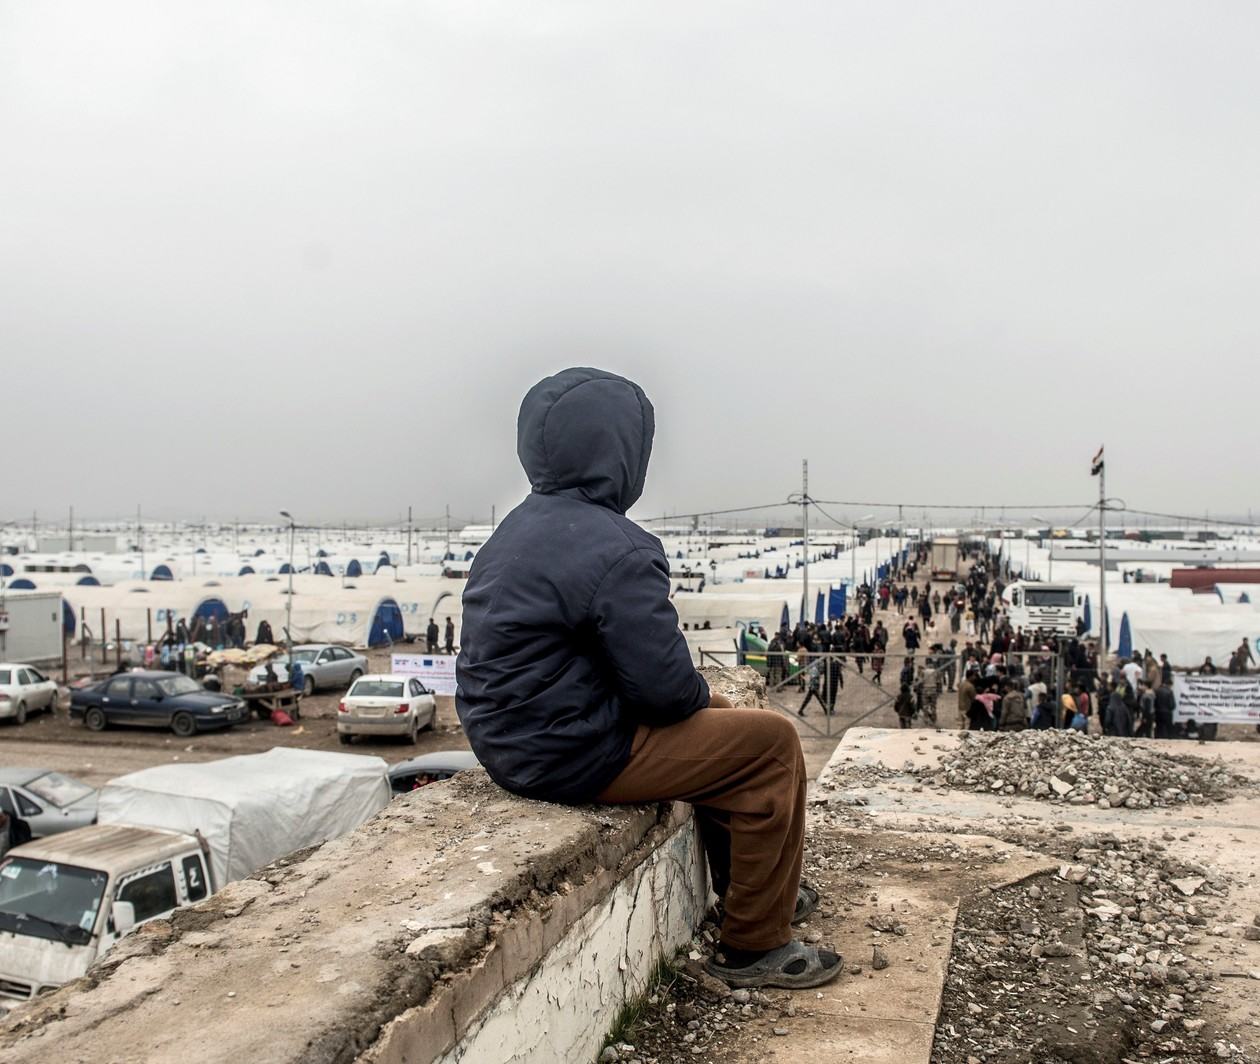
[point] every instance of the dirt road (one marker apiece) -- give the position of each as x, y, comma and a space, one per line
57, 743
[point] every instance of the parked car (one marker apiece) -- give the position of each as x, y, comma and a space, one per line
420, 771
385, 705
324, 666
155, 699
25, 690
47, 801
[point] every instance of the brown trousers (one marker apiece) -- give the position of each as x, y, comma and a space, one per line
744, 772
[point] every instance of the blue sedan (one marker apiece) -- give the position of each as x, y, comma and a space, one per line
155, 699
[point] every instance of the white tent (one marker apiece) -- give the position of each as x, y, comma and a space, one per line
1188, 636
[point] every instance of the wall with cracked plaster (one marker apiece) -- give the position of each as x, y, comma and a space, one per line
564, 1007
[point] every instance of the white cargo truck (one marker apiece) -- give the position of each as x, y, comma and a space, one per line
168, 836
1031, 605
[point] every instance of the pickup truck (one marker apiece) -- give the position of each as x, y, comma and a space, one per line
168, 836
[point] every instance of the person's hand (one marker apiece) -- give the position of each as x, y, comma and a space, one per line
717, 701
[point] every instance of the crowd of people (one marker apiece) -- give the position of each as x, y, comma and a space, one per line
1006, 678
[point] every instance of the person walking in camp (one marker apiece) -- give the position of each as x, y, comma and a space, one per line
966, 696
450, 636
904, 706
1014, 711
936, 602
575, 683
1165, 706
925, 611
264, 636
802, 660
811, 674
835, 678
1240, 659
431, 637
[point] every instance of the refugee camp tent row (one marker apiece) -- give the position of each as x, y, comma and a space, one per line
323, 610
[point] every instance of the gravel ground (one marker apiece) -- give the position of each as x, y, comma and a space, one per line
1086, 966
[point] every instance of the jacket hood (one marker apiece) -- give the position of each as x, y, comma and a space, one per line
586, 434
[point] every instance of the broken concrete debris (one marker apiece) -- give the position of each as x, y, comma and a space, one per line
1067, 766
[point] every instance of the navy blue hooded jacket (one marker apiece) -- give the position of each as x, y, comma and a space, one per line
569, 639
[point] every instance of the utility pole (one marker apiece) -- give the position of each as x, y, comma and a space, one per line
140, 542
492, 526
901, 535
448, 528
1103, 640
70, 545
408, 535
805, 529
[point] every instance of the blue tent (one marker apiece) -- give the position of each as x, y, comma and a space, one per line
22, 584
88, 581
838, 603
387, 624
321, 553
1087, 615
820, 605
322, 569
211, 609
786, 620
354, 569
285, 567
1244, 597
246, 570
162, 572
1125, 649
67, 618
259, 552
468, 555
6, 569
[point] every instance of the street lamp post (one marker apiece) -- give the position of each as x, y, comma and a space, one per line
853, 558
288, 605
1045, 521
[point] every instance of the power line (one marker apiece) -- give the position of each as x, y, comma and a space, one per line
1200, 520
957, 506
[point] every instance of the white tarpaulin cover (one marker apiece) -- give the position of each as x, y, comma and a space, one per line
255, 808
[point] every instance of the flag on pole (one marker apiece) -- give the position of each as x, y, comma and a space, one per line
1097, 466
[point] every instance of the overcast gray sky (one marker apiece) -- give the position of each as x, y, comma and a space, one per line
310, 254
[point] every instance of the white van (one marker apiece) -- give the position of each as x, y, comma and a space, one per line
66, 899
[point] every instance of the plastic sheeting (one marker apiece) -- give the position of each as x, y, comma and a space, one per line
252, 809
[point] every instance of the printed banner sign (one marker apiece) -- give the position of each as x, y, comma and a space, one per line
1217, 699
435, 671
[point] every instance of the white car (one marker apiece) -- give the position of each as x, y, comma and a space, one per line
25, 690
385, 705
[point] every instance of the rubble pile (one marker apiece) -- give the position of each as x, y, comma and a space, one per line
1088, 964
1067, 766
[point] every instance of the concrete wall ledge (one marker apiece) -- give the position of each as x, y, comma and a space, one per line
461, 923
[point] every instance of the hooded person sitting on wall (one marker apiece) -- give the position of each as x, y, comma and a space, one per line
575, 684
